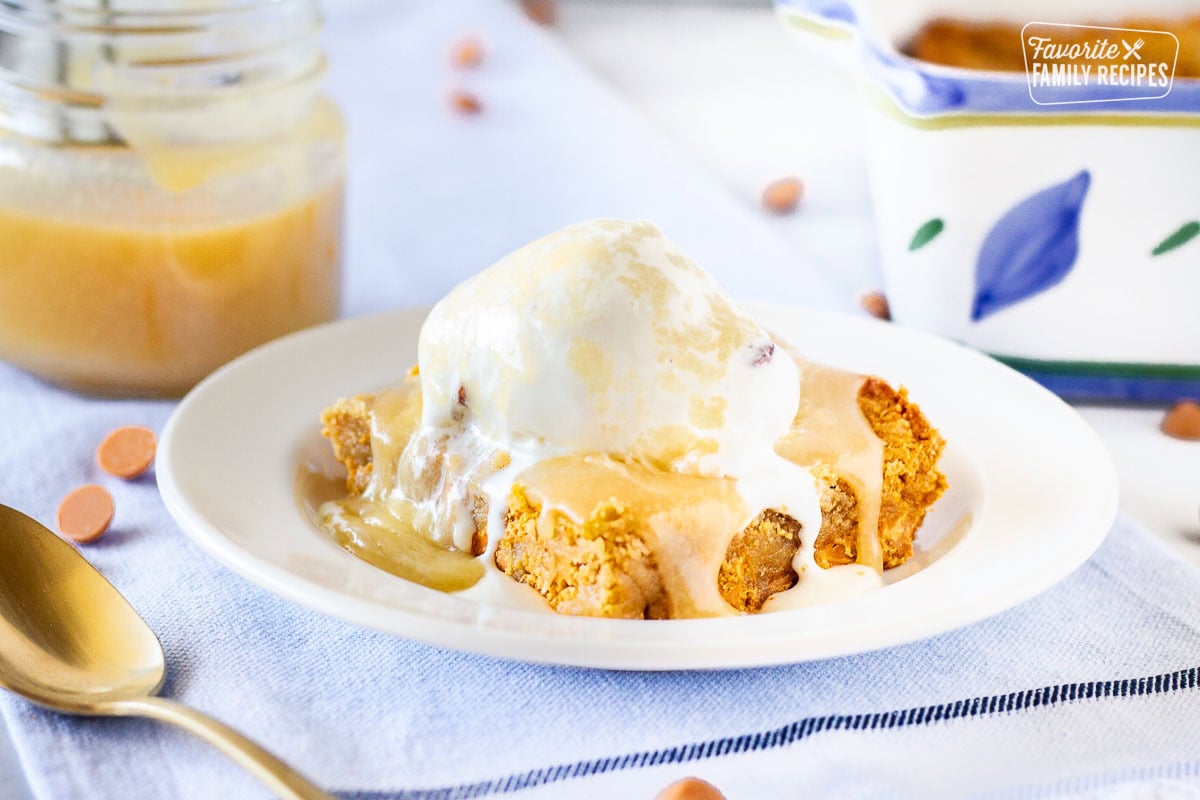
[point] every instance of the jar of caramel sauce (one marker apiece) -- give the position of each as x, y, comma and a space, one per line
170, 187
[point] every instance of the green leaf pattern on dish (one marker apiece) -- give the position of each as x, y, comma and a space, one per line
1179, 238
926, 233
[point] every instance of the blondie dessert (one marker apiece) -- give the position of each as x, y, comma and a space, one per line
597, 419
997, 45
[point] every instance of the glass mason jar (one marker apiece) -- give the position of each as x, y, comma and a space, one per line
170, 187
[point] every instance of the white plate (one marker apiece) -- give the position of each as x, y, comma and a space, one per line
1032, 494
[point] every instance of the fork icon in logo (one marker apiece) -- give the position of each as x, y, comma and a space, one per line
1132, 50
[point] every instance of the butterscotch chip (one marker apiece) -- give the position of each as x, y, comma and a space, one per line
876, 305
127, 452
467, 52
465, 102
85, 513
1182, 420
690, 789
543, 12
782, 196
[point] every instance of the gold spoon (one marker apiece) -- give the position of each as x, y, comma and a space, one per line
70, 642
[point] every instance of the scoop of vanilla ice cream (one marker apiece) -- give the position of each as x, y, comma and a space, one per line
605, 337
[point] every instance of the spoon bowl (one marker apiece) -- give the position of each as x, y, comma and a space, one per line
71, 642
68, 639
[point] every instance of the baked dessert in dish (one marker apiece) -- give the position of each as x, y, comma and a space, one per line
595, 419
996, 45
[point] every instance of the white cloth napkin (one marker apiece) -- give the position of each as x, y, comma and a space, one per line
1087, 690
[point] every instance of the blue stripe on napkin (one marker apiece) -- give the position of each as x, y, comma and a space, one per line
1012, 702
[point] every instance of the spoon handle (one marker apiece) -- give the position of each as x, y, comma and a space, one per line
281, 779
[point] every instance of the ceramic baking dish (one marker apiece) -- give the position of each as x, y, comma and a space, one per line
1060, 237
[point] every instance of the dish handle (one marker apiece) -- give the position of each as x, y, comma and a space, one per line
828, 19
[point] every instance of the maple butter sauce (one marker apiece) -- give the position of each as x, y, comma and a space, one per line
830, 430
686, 521
170, 188
382, 526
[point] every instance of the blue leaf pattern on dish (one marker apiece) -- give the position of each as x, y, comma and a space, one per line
1031, 248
